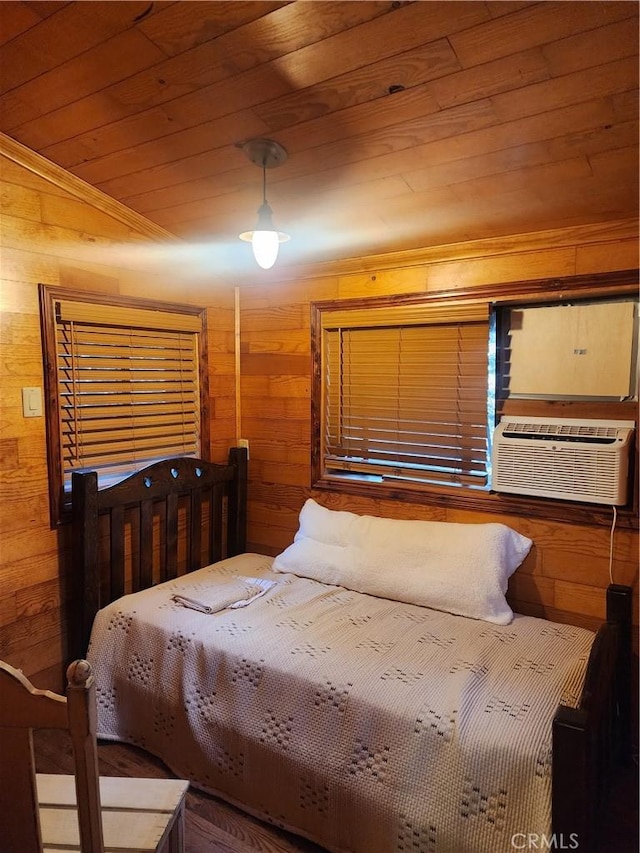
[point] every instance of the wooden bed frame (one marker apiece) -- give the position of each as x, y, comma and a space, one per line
144, 511
187, 494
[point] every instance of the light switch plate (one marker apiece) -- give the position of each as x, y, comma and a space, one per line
32, 402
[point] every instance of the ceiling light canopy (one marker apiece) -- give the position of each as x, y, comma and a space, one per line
265, 239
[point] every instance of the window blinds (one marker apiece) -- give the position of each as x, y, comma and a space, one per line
128, 386
407, 400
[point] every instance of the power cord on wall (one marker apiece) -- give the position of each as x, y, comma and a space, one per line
613, 527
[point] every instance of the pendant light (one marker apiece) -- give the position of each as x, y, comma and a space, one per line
265, 239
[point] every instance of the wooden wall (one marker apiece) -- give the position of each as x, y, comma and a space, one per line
565, 575
51, 235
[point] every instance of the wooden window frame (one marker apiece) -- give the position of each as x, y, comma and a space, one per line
59, 501
542, 291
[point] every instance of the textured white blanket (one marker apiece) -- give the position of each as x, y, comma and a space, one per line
365, 724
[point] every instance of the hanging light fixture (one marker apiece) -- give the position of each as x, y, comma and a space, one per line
265, 239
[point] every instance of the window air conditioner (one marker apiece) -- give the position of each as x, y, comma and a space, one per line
568, 459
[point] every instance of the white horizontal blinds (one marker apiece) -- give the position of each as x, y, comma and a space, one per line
409, 402
128, 394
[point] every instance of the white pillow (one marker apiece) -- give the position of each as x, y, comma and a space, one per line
461, 568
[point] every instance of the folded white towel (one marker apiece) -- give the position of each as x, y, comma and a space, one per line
226, 596
263, 585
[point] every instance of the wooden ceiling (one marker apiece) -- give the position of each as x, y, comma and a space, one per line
407, 124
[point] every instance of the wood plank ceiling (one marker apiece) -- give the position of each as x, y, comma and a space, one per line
407, 124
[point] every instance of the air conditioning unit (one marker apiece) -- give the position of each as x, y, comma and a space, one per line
568, 459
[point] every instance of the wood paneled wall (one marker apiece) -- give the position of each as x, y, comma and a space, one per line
566, 573
51, 235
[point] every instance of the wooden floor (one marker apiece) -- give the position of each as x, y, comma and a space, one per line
213, 826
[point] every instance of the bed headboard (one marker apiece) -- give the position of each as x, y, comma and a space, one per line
169, 518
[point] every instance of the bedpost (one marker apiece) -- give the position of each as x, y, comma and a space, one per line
237, 508
619, 612
86, 577
589, 740
572, 778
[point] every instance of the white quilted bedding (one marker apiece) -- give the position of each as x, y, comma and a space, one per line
364, 724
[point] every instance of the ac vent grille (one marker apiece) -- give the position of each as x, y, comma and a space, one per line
559, 430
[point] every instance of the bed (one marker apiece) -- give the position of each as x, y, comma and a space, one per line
361, 721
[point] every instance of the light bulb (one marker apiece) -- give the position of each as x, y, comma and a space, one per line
264, 239
265, 246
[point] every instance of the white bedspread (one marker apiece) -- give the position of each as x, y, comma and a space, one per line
365, 724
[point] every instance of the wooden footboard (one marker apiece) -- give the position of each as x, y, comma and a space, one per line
589, 740
174, 516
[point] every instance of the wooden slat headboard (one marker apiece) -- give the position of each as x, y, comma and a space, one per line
146, 508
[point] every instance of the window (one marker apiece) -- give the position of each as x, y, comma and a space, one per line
124, 385
407, 389
405, 394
